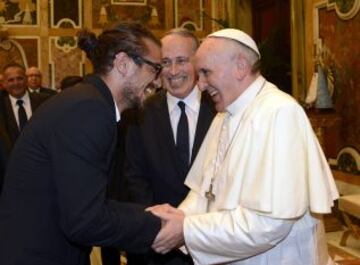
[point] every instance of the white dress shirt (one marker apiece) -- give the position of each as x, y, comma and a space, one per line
117, 112
26, 105
34, 90
192, 109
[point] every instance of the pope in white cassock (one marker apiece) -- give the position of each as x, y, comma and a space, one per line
260, 181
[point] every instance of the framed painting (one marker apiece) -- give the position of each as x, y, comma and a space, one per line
151, 13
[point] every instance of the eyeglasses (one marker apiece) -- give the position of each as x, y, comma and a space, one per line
156, 66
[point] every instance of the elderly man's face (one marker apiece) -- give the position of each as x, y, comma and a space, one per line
33, 75
15, 81
178, 74
216, 69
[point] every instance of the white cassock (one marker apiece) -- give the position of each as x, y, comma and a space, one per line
269, 190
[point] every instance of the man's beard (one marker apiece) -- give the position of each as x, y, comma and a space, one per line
132, 100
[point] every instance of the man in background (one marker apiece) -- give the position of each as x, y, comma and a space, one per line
17, 104
34, 79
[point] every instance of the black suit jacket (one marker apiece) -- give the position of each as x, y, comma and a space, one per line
53, 206
152, 167
4, 153
8, 121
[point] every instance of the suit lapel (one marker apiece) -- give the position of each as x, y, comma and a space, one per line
164, 123
105, 94
13, 129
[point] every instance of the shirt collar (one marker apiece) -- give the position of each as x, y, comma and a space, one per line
25, 98
192, 100
246, 97
37, 90
117, 112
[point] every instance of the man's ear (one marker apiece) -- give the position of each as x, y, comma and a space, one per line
241, 67
122, 63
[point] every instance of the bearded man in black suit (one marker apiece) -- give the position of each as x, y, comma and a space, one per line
53, 207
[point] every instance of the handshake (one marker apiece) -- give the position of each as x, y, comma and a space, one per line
171, 233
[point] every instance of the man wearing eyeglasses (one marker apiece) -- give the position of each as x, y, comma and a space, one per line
167, 134
53, 207
34, 81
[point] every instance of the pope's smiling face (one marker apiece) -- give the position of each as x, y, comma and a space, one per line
216, 67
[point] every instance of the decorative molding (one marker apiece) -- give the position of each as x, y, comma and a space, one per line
22, 50
7, 45
23, 18
198, 26
129, 3
63, 21
344, 9
329, 5
347, 160
67, 45
190, 25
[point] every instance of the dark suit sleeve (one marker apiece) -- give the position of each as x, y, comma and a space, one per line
80, 149
4, 154
3, 158
136, 169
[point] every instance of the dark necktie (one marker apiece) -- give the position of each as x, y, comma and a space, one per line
21, 114
182, 139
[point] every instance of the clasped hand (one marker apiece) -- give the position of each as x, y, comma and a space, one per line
171, 233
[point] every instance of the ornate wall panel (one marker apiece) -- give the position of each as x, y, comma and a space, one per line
64, 58
42, 32
150, 12
337, 38
31, 47
23, 50
188, 14
66, 13
19, 12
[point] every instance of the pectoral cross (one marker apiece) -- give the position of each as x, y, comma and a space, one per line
209, 194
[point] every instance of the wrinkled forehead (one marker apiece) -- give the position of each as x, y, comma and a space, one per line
217, 45
33, 71
211, 50
13, 70
173, 43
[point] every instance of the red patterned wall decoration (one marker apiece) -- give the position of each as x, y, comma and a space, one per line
338, 32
